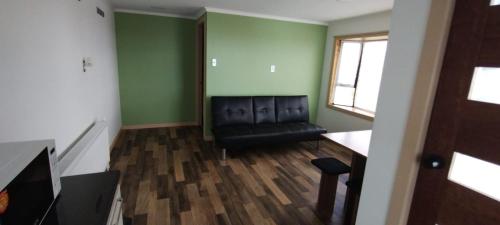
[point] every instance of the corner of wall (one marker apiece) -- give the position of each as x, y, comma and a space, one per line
400, 75
431, 58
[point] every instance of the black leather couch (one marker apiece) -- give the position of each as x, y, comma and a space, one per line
240, 122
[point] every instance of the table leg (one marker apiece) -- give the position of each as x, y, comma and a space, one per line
326, 196
358, 164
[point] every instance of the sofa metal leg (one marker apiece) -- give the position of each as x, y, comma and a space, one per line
223, 154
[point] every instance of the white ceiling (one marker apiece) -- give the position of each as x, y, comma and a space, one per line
306, 10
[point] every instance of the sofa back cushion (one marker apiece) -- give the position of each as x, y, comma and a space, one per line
232, 111
292, 109
263, 108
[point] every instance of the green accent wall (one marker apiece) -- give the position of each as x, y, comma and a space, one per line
245, 49
156, 63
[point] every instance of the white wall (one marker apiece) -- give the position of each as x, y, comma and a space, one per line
44, 93
331, 119
406, 39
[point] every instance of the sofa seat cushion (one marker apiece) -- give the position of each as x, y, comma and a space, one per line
233, 131
303, 128
242, 136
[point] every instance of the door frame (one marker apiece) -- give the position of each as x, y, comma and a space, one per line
200, 69
429, 70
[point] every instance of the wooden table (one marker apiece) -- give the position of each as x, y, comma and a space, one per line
357, 142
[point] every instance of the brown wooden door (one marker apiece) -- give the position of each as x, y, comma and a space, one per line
464, 131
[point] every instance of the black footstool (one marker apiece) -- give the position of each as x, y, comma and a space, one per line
330, 168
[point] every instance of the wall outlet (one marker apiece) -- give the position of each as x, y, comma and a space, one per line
214, 62
273, 68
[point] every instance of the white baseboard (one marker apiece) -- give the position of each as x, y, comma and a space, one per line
159, 125
115, 139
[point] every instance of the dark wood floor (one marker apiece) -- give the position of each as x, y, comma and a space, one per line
172, 176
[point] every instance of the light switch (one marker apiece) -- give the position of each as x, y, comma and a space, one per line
214, 62
86, 62
273, 68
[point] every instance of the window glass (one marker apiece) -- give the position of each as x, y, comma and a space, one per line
484, 86
357, 72
344, 95
370, 75
495, 2
348, 62
464, 170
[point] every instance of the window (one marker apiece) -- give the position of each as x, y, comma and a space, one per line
484, 86
356, 73
464, 170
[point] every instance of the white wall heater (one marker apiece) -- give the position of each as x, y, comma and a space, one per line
89, 154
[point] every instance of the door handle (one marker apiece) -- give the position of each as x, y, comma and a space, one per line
433, 161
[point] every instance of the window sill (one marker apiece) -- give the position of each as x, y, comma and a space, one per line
353, 111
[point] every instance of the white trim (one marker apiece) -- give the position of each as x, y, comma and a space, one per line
223, 11
155, 13
257, 15
330, 22
159, 125
200, 13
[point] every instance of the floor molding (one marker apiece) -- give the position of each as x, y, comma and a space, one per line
159, 125
115, 139
208, 138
